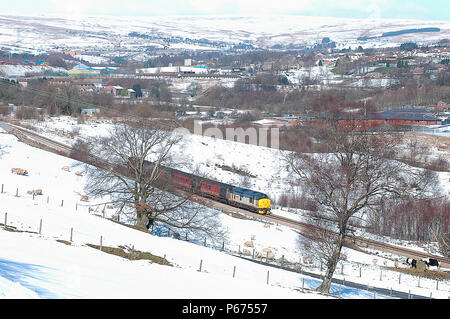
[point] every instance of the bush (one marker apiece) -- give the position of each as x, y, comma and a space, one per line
4, 110
297, 201
27, 113
80, 151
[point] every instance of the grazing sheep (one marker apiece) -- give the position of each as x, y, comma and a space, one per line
19, 171
248, 243
35, 192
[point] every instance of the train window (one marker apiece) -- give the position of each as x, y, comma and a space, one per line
210, 188
181, 179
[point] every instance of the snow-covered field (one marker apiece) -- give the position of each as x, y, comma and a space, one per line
34, 265
40, 33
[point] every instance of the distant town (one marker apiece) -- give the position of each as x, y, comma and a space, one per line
405, 85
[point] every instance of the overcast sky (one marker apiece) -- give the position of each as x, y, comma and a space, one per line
392, 9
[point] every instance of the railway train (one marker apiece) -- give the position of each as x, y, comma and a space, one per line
235, 196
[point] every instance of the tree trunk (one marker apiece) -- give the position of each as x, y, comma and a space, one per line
141, 220
331, 266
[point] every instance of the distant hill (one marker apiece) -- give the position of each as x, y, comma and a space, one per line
400, 32
115, 36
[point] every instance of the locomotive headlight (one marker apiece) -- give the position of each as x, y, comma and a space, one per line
264, 206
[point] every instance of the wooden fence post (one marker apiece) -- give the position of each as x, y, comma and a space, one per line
40, 226
17, 192
234, 271
101, 243
71, 233
201, 262
267, 281
6, 219
2, 188
62, 203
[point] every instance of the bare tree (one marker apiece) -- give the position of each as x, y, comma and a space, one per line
350, 178
119, 171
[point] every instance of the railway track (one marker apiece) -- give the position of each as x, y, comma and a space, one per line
40, 141
48, 144
368, 243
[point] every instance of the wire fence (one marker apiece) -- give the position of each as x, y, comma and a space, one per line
302, 266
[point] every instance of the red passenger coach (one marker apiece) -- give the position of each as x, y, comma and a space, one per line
182, 180
213, 190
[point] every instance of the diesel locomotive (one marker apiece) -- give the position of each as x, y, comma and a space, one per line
235, 196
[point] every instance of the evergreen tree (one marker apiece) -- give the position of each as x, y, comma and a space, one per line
137, 89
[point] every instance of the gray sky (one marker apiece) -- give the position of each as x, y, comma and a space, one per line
392, 9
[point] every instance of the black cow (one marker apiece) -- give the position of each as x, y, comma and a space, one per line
431, 262
411, 262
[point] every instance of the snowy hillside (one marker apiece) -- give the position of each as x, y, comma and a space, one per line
34, 265
40, 33
220, 159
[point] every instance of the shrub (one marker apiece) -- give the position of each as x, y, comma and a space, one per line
27, 113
